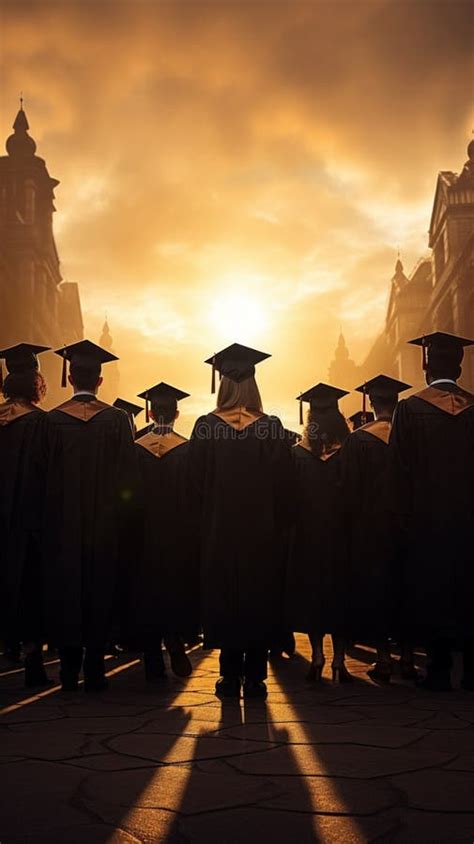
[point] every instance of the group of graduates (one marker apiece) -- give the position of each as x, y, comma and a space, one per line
246, 531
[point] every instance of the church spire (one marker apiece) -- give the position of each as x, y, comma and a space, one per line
106, 339
21, 143
111, 375
342, 352
399, 278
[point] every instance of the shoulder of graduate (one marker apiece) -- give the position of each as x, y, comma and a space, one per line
450, 399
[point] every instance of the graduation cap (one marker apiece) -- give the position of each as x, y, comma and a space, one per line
83, 353
449, 346
161, 390
321, 396
382, 387
360, 418
21, 358
235, 362
128, 406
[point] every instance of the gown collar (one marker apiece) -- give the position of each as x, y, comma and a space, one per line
12, 410
160, 444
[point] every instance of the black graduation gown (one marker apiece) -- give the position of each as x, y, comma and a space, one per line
317, 562
239, 471
23, 455
89, 499
432, 459
372, 583
166, 585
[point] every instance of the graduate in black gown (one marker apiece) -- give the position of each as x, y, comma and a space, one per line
239, 469
166, 583
432, 451
317, 565
373, 576
23, 456
132, 410
88, 501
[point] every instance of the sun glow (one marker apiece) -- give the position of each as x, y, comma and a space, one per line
239, 313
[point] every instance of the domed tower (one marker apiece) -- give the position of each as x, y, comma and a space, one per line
36, 306
110, 386
342, 369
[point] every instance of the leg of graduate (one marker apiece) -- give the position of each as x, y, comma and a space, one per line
31, 615
381, 670
255, 672
255, 664
317, 657
438, 677
94, 669
153, 660
231, 662
340, 673
71, 663
180, 663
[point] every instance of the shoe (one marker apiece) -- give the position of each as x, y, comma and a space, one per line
256, 689
315, 672
228, 687
341, 675
35, 675
180, 663
436, 681
96, 684
380, 673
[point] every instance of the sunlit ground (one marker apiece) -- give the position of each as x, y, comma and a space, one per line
314, 763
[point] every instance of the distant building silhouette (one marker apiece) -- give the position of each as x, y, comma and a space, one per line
109, 389
342, 369
36, 305
438, 295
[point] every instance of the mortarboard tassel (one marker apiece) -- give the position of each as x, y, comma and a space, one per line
364, 404
213, 379
147, 410
425, 354
301, 411
64, 370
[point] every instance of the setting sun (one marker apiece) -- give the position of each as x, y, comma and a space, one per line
237, 313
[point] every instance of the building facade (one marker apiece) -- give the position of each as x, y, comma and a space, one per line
36, 304
438, 295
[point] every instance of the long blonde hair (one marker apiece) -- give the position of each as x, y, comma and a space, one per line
246, 394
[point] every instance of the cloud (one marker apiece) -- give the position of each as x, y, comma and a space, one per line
289, 146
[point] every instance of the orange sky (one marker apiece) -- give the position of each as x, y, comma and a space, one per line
239, 171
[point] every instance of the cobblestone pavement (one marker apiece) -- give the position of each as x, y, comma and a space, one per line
352, 763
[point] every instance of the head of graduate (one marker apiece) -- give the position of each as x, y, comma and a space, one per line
326, 427
85, 366
24, 381
238, 387
442, 355
162, 404
382, 392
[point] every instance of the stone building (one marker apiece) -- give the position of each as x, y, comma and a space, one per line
438, 295
36, 305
